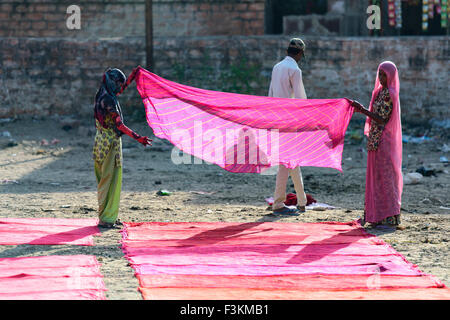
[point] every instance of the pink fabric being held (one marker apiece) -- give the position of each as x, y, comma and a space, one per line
245, 133
384, 181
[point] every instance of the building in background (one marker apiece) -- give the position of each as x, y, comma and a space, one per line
227, 45
348, 17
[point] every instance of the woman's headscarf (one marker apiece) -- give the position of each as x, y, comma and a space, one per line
113, 80
393, 83
112, 83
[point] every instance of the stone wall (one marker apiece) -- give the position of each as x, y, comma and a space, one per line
335, 67
126, 18
60, 75
46, 68
43, 76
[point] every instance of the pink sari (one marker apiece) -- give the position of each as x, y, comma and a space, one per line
244, 133
384, 181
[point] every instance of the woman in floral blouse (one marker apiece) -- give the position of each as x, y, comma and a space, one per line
384, 181
107, 151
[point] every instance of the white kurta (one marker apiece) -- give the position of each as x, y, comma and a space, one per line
287, 83
287, 80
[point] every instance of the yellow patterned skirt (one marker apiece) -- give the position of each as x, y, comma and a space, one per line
107, 156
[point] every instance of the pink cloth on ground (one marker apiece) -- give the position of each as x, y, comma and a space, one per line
48, 231
301, 282
264, 294
51, 278
384, 180
157, 234
245, 133
353, 249
293, 282
235, 268
198, 260
248, 256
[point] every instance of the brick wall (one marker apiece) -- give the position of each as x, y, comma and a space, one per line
126, 18
201, 18
60, 75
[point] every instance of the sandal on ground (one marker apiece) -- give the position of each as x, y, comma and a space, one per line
286, 211
373, 224
361, 221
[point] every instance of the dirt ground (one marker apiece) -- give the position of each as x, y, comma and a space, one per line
57, 180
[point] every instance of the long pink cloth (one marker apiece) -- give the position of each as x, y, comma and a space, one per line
245, 133
48, 231
286, 294
384, 180
302, 282
179, 234
51, 278
223, 260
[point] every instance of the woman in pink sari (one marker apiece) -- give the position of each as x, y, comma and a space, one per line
384, 181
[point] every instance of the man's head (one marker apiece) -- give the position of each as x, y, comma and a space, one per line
296, 49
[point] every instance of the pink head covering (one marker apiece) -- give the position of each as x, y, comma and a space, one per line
394, 126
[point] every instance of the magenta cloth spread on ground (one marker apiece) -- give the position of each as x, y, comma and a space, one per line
245, 133
217, 260
75, 277
48, 231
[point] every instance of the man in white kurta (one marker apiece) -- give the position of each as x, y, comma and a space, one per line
287, 83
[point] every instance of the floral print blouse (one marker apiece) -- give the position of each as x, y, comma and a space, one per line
107, 140
383, 107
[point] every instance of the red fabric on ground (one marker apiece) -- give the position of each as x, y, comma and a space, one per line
291, 199
48, 231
